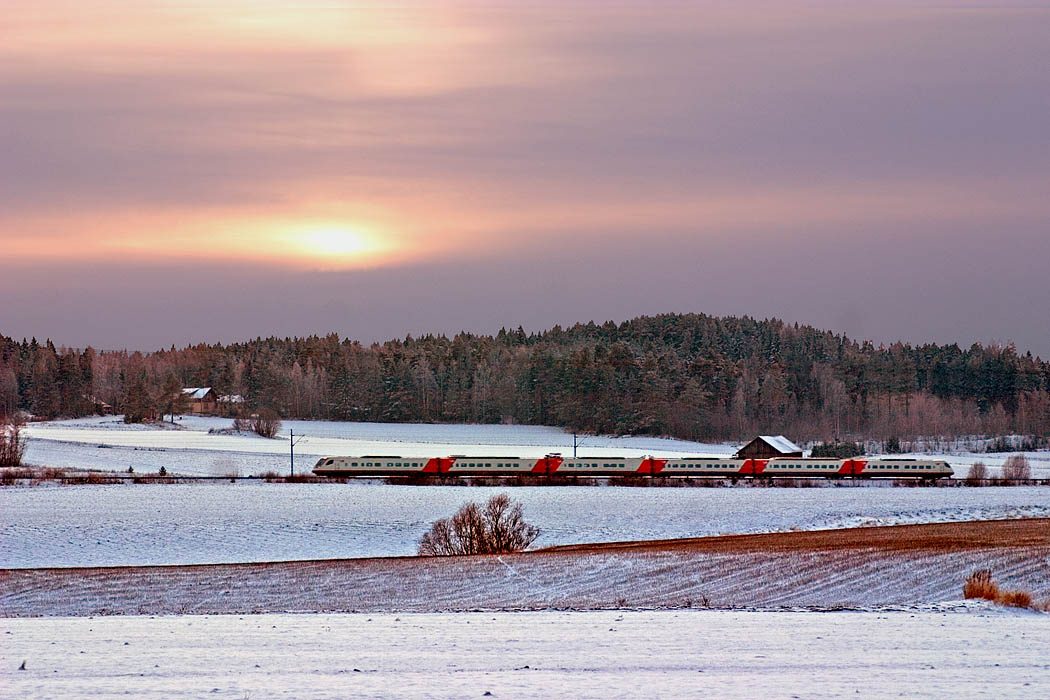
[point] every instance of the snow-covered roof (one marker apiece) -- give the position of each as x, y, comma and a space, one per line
196, 392
780, 443
231, 398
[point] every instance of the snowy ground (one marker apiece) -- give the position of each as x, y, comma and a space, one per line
224, 522
958, 651
107, 443
138, 524
830, 569
947, 649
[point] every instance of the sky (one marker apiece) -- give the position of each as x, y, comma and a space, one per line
183, 172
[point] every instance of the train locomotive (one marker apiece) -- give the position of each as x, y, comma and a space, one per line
554, 463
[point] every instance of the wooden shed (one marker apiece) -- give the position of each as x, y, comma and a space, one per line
768, 447
201, 400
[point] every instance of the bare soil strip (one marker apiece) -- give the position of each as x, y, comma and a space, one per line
901, 565
932, 537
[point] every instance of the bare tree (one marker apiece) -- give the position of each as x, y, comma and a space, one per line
977, 474
1016, 468
12, 444
265, 423
497, 528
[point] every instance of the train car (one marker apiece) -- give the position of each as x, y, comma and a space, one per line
554, 463
373, 465
902, 467
856, 467
705, 466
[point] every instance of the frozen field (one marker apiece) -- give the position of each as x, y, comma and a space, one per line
831, 569
188, 448
224, 522
107, 443
955, 651
220, 522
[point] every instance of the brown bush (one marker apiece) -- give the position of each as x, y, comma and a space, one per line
1016, 468
9, 477
980, 585
977, 474
495, 529
1015, 599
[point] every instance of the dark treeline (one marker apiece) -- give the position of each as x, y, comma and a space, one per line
689, 376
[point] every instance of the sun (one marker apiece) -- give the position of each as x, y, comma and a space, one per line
337, 242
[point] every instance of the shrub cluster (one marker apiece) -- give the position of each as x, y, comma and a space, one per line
837, 450
496, 528
265, 423
980, 585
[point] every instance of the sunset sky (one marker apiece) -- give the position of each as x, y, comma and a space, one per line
179, 172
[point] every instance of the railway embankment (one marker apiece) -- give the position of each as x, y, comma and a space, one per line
856, 568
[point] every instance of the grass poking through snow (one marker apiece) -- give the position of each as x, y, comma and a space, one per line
980, 585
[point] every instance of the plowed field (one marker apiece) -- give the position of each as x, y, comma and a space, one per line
864, 567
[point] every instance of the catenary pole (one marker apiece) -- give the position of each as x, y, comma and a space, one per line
291, 448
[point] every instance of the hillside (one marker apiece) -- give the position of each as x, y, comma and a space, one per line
689, 376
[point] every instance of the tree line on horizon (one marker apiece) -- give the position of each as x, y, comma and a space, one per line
688, 376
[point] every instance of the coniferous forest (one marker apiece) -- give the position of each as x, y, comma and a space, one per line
689, 376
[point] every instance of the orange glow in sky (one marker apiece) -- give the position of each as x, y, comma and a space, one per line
361, 138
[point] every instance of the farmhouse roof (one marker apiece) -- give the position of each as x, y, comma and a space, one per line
780, 443
196, 392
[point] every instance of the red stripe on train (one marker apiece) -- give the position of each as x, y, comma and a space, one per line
651, 466
753, 466
439, 465
852, 466
547, 465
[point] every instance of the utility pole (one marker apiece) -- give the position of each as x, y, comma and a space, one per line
292, 442
575, 444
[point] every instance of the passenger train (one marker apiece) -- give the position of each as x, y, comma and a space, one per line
461, 465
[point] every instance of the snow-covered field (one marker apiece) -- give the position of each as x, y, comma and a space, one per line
107, 443
226, 522
254, 521
948, 649
953, 651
